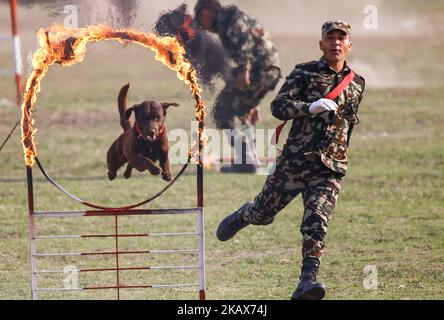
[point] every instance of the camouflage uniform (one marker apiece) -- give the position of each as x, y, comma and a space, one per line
249, 47
314, 159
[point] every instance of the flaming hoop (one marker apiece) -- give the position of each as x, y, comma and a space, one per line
68, 47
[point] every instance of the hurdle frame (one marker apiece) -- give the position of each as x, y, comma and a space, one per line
33, 214
199, 210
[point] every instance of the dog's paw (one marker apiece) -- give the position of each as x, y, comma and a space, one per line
127, 174
166, 176
155, 170
112, 175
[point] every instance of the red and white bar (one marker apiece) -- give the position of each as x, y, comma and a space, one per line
153, 286
103, 213
70, 254
172, 234
120, 269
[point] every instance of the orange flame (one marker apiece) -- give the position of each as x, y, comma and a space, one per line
68, 47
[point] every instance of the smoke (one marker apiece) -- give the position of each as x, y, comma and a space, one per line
296, 17
406, 39
116, 13
304, 18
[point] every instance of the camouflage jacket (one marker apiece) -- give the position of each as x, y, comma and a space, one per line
247, 42
326, 134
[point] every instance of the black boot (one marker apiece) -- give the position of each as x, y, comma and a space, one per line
308, 288
232, 224
246, 155
239, 168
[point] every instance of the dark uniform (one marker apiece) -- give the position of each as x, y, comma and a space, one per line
314, 158
249, 47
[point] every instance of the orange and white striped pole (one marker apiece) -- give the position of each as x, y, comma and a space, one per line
18, 64
17, 51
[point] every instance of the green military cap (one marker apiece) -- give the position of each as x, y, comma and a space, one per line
336, 25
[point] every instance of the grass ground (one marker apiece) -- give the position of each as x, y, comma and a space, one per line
390, 214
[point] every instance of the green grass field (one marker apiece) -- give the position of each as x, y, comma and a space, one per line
390, 213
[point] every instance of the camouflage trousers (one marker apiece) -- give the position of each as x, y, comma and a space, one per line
320, 188
235, 102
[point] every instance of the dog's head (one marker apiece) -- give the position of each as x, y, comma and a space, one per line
204, 51
150, 119
177, 23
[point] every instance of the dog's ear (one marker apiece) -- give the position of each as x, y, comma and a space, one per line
182, 8
128, 112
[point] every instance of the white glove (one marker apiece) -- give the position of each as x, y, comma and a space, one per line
322, 105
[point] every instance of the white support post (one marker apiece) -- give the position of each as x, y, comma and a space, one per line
32, 247
201, 226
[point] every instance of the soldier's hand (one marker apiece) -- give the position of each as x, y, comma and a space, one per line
243, 79
322, 105
254, 116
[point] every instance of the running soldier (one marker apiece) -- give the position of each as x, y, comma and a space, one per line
322, 99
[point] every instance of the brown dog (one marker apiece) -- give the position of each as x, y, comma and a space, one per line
143, 142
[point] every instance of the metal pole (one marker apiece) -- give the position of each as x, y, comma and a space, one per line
202, 282
32, 249
117, 257
200, 173
200, 204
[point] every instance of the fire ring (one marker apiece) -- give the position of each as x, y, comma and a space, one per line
68, 47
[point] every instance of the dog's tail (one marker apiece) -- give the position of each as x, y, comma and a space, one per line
122, 102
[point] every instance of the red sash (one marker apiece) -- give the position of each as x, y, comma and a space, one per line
332, 95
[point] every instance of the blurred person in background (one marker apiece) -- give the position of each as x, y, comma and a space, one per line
255, 73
